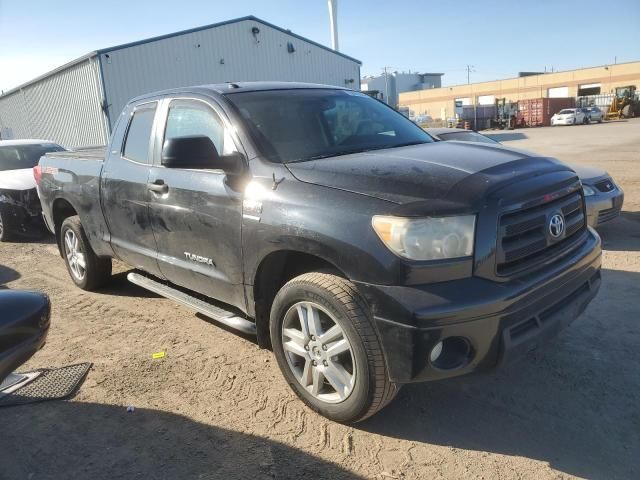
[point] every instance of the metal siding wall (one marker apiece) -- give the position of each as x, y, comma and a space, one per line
178, 61
64, 107
13, 121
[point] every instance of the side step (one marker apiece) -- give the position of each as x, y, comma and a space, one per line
230, 319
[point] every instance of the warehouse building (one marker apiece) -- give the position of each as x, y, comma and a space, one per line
77, 104
439, 103
389, 85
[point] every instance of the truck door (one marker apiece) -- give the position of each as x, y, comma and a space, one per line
197, 220
125, 194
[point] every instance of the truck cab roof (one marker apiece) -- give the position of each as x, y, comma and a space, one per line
236, 87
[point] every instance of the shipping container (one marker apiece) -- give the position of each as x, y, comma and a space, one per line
537, 112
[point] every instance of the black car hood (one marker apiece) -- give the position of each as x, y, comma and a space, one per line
427, 171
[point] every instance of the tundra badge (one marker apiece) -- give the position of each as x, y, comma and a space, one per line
199, 259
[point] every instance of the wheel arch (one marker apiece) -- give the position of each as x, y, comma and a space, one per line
61, 209
274, 270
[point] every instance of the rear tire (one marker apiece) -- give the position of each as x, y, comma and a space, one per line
334, 305
86, 269
6, 226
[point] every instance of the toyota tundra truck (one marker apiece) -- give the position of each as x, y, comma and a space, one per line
362, 252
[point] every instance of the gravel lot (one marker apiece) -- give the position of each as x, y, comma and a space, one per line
217, 407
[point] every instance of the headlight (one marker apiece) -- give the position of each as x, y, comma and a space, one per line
588, 191
430, 238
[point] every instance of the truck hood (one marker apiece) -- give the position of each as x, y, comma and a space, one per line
427, 171
17, 179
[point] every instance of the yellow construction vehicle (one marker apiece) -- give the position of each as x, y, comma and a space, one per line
625, 104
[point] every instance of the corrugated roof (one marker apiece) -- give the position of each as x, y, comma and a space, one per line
169, 35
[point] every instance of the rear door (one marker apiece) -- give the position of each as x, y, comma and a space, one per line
197, 221
125, 193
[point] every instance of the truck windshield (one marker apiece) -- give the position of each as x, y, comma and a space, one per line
308, 124
16, 157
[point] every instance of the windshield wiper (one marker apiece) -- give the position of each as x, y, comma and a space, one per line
355, 150
328, 155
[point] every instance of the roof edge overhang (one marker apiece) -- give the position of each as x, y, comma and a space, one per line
169, 35
49, 73
220, 24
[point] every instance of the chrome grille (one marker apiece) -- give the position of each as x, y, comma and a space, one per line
524, 240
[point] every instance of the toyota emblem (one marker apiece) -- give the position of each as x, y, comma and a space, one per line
556, 225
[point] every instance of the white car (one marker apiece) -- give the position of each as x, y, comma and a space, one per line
20, 209
569, 116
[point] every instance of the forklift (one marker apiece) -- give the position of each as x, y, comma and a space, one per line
506, 114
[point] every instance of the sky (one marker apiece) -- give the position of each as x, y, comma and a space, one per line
498, 38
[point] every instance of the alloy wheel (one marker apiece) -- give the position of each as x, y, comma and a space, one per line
75, 257
318, 352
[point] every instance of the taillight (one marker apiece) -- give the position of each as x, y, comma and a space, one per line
37, 174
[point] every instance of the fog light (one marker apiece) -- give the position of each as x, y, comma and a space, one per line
451, 352
435, 352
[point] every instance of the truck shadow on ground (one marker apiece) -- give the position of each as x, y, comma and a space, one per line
85, 440
572, 403
8, 275
119, 286
622, 234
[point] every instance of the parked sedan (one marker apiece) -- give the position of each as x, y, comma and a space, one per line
594, 114
603, 197
19, 204
569, 116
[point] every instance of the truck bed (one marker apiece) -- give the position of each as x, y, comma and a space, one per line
88, 153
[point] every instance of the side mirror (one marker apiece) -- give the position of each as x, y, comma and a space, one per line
24, 324
198, 152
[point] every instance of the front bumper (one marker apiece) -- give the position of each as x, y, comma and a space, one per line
499, 321
22, 211
603, 207
563, 121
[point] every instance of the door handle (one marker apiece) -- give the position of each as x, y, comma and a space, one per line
158, 187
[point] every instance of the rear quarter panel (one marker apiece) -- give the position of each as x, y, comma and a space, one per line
75, 180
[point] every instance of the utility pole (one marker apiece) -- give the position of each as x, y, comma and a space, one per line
469, 70
386, 86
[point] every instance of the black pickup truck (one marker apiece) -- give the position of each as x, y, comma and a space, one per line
333, 228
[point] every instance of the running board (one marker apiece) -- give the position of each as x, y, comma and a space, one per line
230, 319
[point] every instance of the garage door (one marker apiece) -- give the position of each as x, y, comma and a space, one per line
589, 89
558, 92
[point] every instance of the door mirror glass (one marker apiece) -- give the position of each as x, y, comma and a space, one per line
195, 151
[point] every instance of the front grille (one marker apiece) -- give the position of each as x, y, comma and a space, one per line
605, 185
524, 241
608, 214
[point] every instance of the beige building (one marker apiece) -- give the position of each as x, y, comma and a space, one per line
439, 103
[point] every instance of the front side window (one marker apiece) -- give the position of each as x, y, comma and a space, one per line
306, 124
188, 118
138, 139
16, 157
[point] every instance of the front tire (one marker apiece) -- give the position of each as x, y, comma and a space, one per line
86, 269
328, 349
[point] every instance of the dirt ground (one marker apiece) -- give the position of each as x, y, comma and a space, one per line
217, 407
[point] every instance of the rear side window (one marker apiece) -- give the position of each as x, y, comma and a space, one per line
137, 143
